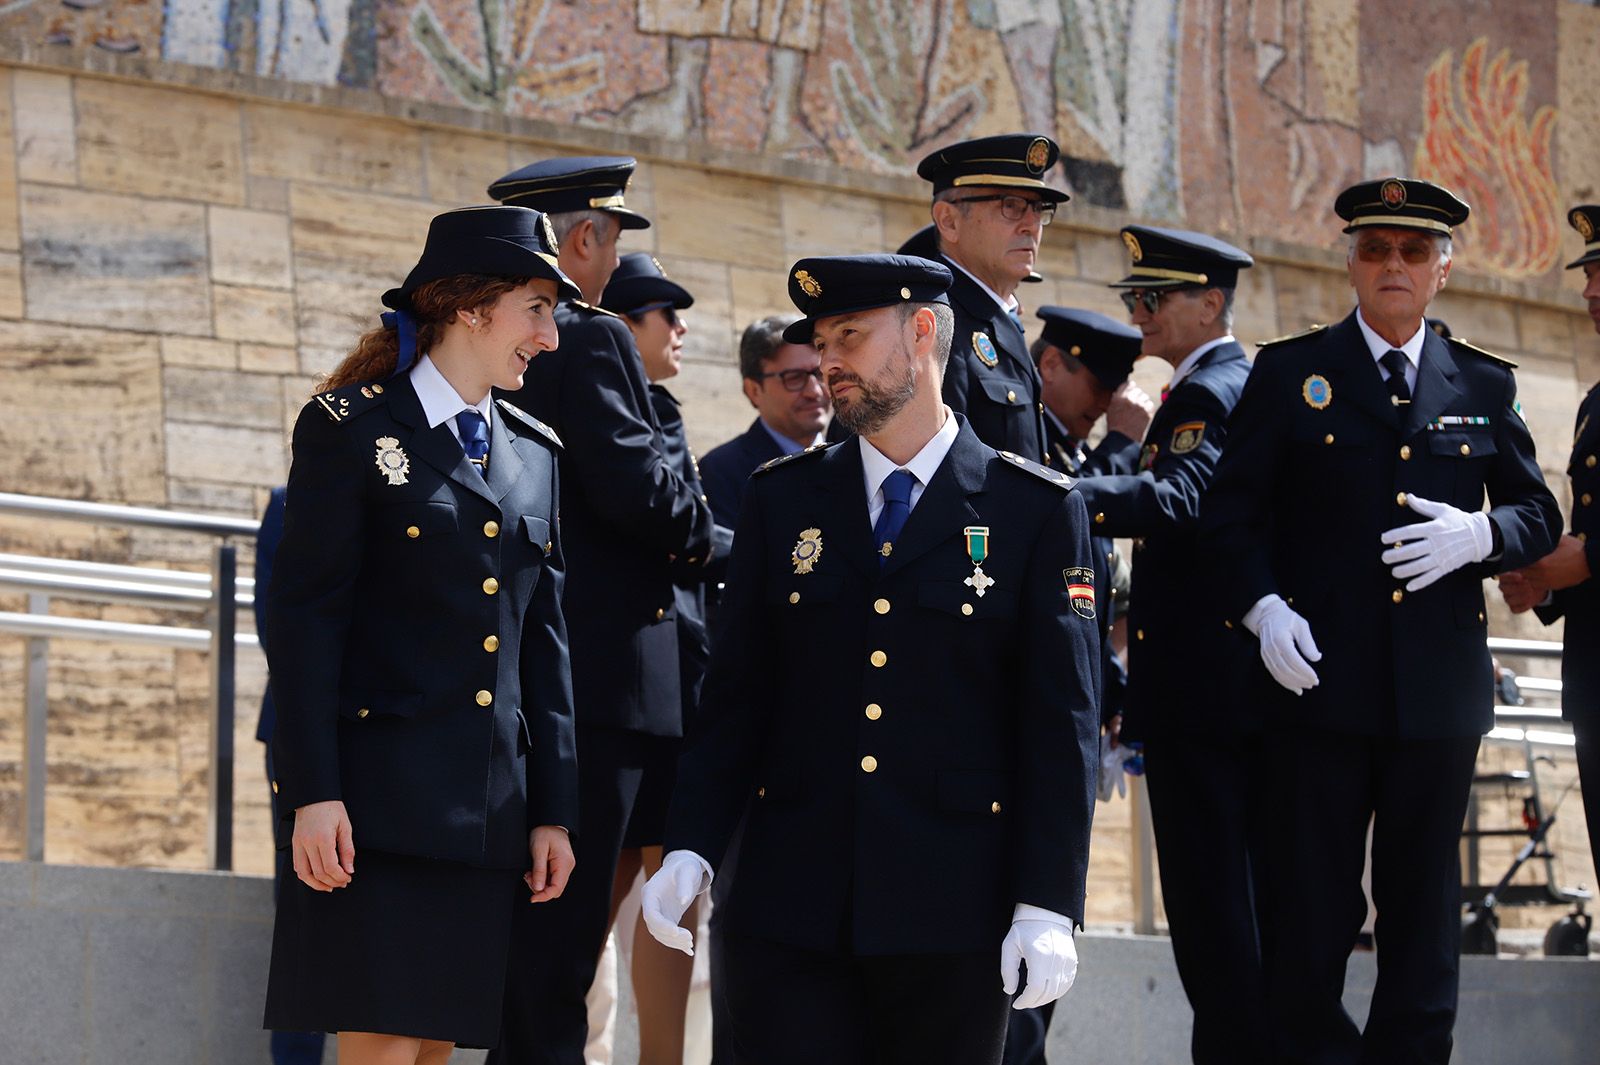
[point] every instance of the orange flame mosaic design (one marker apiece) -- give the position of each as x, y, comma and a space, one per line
1478, 142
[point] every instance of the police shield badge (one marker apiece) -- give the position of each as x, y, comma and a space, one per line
807, 550
392, 461
983, 348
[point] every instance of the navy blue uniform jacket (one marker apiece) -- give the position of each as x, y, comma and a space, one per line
1003, 402
1302, 495
1580, 604
726, 467
915, 759
627, 514
415, 639
267, 540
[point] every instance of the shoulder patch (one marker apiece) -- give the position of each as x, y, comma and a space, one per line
516, 413
1313, 331
1491, 356
342, 404
592, 308
1055, 477
772, 464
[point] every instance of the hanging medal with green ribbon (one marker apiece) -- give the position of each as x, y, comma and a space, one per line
978, 550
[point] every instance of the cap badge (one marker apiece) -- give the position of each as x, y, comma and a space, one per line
1080, 590
392, 461
549, 233
1393, 194
1584, 226
978, 550
1317, 392
808, 284
806, 550
983, 348
1038, 155
1133, 245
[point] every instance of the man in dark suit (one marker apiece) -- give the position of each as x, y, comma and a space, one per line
783, 383
908, 827
630, 521
990, 207
1184, 678
1559, 585
1343, 529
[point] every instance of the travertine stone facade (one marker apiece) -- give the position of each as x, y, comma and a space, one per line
184, 251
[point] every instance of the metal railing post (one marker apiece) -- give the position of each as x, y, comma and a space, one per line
1143, 842
223, 622
36, 721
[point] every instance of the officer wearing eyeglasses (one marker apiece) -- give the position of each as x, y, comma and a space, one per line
1346, 530
990, 207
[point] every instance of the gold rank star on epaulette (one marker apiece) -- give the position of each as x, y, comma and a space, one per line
1313, 331
340, 404
1055, 477
772, 464
1501, 359
513, 411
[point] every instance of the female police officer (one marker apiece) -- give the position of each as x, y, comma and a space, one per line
418, 657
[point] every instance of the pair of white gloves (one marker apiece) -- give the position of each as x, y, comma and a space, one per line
1424, 552
1038, 936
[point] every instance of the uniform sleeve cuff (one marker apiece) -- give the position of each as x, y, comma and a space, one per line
1027, 912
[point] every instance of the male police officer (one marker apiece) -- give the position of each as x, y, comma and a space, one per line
1184, 677
1560, 584
902, 695
629, 520
1345, 526
990, 207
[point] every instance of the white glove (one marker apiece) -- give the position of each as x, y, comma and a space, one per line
1287, 649
1112, 776
1431, 549
1044, 940
682, 876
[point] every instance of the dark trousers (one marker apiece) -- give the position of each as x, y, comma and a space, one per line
1414, 793
1588, 756
555, 946
790, 1006
1026, 1033
1207, 808
287, 1048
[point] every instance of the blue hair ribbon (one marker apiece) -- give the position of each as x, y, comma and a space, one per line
406, 327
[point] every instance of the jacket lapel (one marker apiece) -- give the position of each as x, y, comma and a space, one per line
844, 487
1353, 375
505, 464
436, 446
943, 510
1436, 389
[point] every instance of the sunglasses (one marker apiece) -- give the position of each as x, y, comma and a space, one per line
668, 311
793, 380
1412, 252
1015, 208
1150, 298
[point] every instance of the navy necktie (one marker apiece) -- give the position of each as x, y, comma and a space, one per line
1016, 317
474, 437
1395, 362
896, 509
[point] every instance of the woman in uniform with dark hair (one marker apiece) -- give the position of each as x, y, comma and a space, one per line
419, 660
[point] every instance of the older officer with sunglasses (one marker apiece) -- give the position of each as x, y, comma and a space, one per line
1347, 531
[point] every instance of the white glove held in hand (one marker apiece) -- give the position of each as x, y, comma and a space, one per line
1113, 778
1287, 649
1052, 957
1431, 549
682, 876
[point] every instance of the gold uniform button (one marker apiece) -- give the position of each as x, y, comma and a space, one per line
761, 793
794, 597
413, 532
1466, 449
274, 787
966, 609
485, 698
869, 764
490, 586
1587, 499
879, 659
491, 643
1480, 617
1328, 439
549, 546
703, 498
1405, 452
1139, 635
491, 529
881, 606
1400, 499
1041, 408
694, 560
874, 711
1583, 538
661, 612
1589, 462
994, 807
1397, 595
363, 712
1100, 518
1227, 624
1011, 397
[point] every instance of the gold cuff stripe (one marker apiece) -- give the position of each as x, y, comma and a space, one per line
1399, 221
999, 179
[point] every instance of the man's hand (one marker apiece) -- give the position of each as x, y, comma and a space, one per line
1287, 649
1564, 567
324, 846
669, 893
1052, 959
1130, 411
1431, 549
551, 850
1520, 593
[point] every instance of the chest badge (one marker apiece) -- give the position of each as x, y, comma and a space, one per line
392, 461
806, 550
978, 550
983, 348
1080, 590
1317, 392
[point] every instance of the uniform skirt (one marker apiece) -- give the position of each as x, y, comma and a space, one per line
411, 947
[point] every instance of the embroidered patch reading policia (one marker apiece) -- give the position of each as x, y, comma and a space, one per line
1080, 590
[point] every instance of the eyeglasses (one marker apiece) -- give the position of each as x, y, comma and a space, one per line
667, 310
1150, 297
793, 380
1412, 252
1015, 208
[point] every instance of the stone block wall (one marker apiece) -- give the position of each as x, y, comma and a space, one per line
184, 251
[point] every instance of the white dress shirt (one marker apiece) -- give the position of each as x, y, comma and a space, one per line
440, 400
876, 466
1186, 367
1412, 349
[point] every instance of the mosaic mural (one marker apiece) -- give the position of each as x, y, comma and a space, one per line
1237, 115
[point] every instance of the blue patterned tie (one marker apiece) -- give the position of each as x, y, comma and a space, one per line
896, 509
474, 437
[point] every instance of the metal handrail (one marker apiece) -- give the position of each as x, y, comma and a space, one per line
112, 514
72, 567
1506, 645
46, 626
136, 593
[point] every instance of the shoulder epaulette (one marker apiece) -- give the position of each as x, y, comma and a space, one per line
592, 307
1055, 477
518, 414
772, 464
342, 404
1313, 331
1501, 359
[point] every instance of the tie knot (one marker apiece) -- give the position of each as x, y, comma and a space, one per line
1394, 360
897, 487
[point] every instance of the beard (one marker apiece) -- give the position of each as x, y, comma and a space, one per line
874, 403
